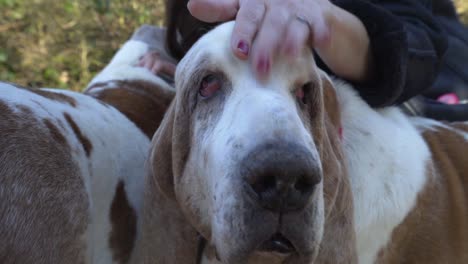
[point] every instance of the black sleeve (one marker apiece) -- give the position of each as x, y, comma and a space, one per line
407, 46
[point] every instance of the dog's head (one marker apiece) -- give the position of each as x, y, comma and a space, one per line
254, 167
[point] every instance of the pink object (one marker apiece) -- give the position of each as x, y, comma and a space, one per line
243, 47
449, 98
300, 93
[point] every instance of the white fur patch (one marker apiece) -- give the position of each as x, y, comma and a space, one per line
387, 161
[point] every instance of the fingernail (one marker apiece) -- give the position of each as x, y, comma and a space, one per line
243, 47
263, 66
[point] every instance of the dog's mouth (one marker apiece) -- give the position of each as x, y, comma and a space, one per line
277, 244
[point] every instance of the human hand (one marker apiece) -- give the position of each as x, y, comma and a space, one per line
267, 28
158, 66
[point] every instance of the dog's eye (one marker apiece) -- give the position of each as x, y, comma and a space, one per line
302, 92
209, 85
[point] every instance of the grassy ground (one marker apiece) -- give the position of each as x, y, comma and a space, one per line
64, 43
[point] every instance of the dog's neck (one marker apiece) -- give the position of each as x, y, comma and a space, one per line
387, 160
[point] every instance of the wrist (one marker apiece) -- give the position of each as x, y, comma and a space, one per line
347, 51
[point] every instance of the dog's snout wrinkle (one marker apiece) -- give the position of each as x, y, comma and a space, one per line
283, 176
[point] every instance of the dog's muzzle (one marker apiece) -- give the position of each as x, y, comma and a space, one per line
281, 176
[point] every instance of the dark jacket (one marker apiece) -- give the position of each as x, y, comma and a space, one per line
408, 41
407, 44
453, 76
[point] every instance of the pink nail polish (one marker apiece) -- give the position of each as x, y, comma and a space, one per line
243, 47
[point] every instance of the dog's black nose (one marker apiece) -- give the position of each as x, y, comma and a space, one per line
282, 175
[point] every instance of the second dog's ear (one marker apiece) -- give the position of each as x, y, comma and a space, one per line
160, 160
170, 146
339, 240
165, 234
330, 100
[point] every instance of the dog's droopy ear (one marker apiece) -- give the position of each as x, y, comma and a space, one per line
330, 101
165, 235
171, 146
339, 241
160, 160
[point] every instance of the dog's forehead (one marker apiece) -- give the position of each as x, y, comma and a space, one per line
214, 50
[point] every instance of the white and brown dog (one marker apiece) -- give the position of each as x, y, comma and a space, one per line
297, 169
72, 165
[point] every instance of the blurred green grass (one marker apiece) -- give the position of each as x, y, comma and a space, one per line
65, 43
49, 43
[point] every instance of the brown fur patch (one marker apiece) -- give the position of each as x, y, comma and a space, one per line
48, 94
144, 103
55, 96
331, 103
24, 109
178, 241
44, 206
461, 125
87, 146
123, 219
4, 108
339, 242
55, 132
436, 231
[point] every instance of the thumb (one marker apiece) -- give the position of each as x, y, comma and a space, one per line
213, 10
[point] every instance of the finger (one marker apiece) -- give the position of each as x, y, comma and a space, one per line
148, 63
143, 59
296, 38
213, 10
268, 39
248, 20
162, 67
165, 68
150, 58
320, 34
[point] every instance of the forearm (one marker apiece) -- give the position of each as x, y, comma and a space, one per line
406, 46
347, 52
